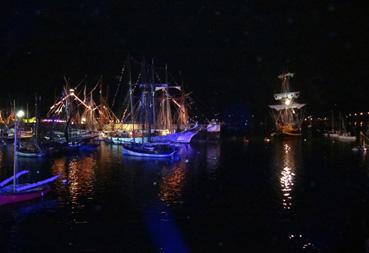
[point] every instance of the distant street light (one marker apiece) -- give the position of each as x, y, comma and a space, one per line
20, 114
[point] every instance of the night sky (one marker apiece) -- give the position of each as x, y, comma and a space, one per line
228, 52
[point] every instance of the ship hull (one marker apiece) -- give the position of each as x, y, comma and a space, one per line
181, 137
148, 152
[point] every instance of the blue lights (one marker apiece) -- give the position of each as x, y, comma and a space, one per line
163, 230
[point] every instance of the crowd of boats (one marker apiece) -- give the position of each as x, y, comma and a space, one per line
155, 119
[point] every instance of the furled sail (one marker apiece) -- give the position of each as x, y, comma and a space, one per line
285, 95
285, 107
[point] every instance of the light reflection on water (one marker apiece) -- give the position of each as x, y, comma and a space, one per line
103, 198
289, 156
78, 176
172, 182
287, 176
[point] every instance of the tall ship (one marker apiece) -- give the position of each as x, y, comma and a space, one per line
155, 109
287, 114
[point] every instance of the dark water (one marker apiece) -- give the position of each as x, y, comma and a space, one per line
286, 196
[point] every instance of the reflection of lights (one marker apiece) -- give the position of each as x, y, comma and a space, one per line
79, 175
165, 132
172, 184
304, 243
287, 178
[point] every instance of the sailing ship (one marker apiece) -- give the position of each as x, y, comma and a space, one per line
73, 121
32, 149
168, 111
287, 114
174, 127
343, 134
333, 133
340, 134
147, 118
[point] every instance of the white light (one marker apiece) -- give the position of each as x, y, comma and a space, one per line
20, 114
287, 102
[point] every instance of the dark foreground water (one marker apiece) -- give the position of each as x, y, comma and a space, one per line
286, 196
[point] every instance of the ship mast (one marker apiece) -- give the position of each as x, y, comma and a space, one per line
131, 100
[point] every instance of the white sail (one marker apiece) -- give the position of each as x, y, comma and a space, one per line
285, 107
286, 95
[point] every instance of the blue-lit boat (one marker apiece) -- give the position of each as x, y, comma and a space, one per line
30, 151
149, 150
14, 193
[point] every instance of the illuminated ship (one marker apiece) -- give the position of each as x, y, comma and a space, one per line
146, 116
72, 120
157, 111
288, 114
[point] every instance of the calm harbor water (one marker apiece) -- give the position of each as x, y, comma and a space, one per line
291, 195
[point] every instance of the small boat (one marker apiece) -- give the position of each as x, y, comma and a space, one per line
31, 151
343, 134
363, 146
149, 150
30, 154
15, 192
331, 134
346, 137
74, 144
